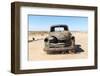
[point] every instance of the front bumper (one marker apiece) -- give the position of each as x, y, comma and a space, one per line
59, 49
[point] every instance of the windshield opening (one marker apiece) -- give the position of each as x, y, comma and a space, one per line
60, 29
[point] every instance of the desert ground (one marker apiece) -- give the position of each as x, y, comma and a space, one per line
36, 51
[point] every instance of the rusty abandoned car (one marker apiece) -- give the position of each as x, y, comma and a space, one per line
59, 39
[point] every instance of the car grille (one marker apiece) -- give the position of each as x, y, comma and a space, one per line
61, 41
53, 41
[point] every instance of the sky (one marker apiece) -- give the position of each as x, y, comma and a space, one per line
43, 22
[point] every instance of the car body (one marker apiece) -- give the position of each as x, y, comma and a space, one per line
59, 39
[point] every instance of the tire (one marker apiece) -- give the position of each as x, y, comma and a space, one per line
73, 40
33, 38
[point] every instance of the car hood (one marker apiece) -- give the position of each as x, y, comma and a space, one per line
61, 35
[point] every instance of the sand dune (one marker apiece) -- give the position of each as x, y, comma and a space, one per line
36, 48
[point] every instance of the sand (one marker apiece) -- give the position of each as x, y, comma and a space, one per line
36, 51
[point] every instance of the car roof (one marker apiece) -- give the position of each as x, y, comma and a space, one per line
60, 25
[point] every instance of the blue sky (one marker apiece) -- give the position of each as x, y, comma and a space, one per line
43, 23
